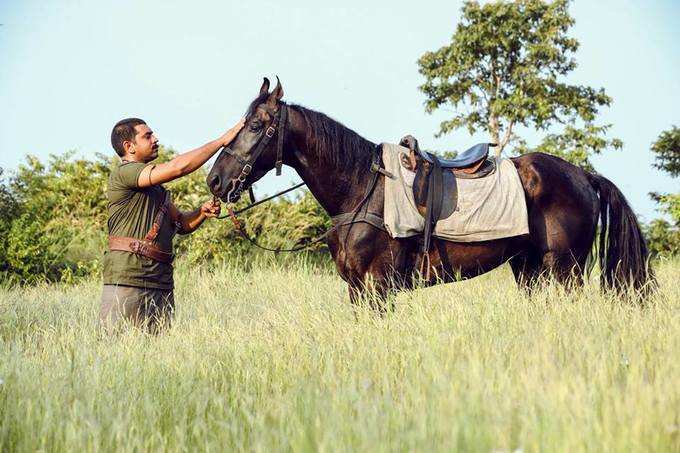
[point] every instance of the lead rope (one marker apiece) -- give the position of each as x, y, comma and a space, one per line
241, 230
256, 203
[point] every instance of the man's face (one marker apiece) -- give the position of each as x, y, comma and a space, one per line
145, 145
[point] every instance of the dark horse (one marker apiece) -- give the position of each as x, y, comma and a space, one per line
563, 201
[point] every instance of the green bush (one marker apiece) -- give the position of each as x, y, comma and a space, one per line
53, 220
53, 232
663, 238
9, 210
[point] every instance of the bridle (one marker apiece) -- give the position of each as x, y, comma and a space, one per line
279, 124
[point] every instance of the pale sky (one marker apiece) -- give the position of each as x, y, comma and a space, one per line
71, 69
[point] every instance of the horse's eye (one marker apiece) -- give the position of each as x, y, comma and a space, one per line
255, 126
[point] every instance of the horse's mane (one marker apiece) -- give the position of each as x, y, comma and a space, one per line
334, 142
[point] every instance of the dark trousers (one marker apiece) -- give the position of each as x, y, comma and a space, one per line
149, 309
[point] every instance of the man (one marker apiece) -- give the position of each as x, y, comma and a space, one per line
138, 281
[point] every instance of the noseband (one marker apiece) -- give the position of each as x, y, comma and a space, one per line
247, 165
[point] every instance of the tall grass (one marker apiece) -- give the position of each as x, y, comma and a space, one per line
276, 359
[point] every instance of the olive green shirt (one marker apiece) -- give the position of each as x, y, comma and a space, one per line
132, 211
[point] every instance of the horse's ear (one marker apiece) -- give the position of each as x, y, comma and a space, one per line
275, 95
265, 86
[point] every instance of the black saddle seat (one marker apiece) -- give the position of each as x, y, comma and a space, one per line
465, 159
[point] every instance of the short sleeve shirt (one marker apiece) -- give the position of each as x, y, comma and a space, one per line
132, 211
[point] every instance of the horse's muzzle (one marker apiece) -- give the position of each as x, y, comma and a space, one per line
214, 182
233, 192
218, 187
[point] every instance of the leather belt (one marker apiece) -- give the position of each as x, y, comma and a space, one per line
140, 247
146, 247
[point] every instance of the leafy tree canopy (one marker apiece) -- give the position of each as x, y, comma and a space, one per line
505, 67
667, 151
664, 237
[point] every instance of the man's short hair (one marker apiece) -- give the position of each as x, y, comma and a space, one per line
124, 130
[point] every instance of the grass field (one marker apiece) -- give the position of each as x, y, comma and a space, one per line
275, 359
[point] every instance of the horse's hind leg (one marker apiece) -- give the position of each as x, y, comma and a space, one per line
568, 267
565, 268
527, 269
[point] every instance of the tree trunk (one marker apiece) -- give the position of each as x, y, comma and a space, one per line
506, 139
495, 134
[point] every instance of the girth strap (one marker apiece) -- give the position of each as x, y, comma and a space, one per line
348, 218
435, 196
433, 210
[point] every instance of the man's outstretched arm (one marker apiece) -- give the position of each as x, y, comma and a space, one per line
186, 163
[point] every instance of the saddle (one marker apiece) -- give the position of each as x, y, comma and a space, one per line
428, 185
469, 162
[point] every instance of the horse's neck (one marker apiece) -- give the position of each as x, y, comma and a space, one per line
337, 190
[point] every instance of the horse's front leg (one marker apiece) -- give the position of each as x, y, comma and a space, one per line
374, 290
363, 259
389, 271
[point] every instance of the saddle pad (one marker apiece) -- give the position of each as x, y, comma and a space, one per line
491, 207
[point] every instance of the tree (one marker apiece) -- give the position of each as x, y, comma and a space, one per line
667, 150
663, 239
663, 236
505, 67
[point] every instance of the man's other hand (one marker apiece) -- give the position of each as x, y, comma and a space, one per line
211, 208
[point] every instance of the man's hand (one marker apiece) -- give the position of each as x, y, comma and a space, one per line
191, 220
211, 208
229, 136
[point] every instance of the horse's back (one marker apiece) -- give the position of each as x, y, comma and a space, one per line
549, 180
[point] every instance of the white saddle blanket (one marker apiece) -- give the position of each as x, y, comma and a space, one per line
491, 207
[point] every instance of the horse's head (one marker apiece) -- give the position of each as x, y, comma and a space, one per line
254, 150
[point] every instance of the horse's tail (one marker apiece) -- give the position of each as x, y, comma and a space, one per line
623, 251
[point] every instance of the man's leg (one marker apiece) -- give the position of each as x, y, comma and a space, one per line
159, 308
149, 309
121, 304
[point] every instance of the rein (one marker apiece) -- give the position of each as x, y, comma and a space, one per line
254, 203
